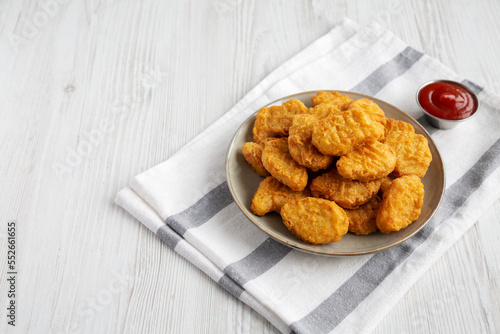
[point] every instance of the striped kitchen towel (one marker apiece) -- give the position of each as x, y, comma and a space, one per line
186, 200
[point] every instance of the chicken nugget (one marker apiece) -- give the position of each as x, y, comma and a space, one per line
413, 155
349, 194
272, 195
315, 220
341, 101
370, 108
392, 125
277, 160
369, 162
300, 146
340, 134
276, 120
325, 110
253, 155
401, 204
384, 185
363, 220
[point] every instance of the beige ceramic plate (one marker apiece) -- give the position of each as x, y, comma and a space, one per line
243, 182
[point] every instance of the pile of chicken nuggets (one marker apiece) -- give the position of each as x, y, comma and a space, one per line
340, 166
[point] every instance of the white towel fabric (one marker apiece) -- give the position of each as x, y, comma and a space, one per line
186, 202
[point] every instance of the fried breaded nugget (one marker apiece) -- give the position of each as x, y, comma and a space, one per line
413, 155
277, 160
341, 101
384, 185
315, 220
369, 162
272, 195
300, 146
370, 108
324, 110
253, 155
363, 220
401, 204
276, 120
392, 125
340, 134
349, 194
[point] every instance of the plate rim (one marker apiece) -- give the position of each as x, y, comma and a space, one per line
318, 252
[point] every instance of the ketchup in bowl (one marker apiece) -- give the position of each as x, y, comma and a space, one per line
447, 100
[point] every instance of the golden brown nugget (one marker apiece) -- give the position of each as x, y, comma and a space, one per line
385, 184
369, 162
276, 120
325, 110
370, 108
300, 146
315, 220
363, 220
341, 101
392, 125
349, 194
340, 134
277, 160
402, 204
413, 155
253, 155
272, 195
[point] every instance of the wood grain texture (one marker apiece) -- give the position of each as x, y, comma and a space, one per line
95, 92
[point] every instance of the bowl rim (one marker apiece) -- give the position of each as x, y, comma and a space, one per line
318, 252
453, 121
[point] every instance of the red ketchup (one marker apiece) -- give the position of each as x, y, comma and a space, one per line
447, 100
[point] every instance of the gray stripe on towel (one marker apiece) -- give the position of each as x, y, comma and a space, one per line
472, 86
387, 72
260, 260
171, 238
350, 294
231, 286
168, 236
201, 211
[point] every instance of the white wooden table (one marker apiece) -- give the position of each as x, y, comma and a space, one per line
94, 92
